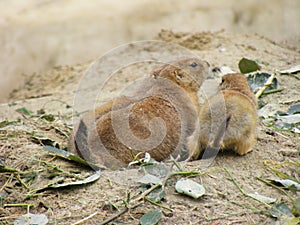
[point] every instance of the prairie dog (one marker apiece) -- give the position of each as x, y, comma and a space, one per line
227, 120
157, 118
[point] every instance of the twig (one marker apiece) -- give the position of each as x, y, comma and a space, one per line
6, 183
18, 205
272, 91
23, 184
85, 219
176, 164
279, 173
224, 216
127, 207
59, 169
196, 173
9, 217
251, 208
267, 84
159, 205
185, 173
145, 193
119, 214
241, 190
234, 181
5, 169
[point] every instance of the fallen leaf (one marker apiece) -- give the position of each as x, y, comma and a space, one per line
287, 183
40, 219
294, 69
258, 80
248, 66
69, 156
158, 169
190, 188
268, 110
24, 111
151, 218
262, 198
280, 209
290, 119
296, 207
150, 179
87, 180
286, 220
294, 109
156, 195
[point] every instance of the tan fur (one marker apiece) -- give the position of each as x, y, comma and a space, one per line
157, 118
236, 104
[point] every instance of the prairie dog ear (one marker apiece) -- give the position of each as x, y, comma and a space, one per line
155, 72
179, 74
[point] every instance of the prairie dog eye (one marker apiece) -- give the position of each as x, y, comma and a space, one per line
194, 64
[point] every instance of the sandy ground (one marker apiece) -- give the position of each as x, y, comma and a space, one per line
55, 93
51, 55
36, 35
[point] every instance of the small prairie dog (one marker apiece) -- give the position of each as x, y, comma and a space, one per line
228, 120
157, 118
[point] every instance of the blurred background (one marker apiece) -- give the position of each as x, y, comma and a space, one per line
36, 35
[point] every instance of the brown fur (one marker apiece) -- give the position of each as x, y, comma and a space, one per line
236, 106
157, 118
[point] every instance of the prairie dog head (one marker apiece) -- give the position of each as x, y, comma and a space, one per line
234, 81
188, 73
237, 82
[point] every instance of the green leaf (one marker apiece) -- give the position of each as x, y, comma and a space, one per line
87, 180
156, 195
294, 109
58, 183
159, 170
279, 210
30, 218
24, 111
258, 80
48, 117
296, 207
150, 179
289, 221
69, 156
248, 66
190, 188
12, 104
151, 218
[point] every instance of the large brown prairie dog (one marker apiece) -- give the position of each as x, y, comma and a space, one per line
227, 120
157, 118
